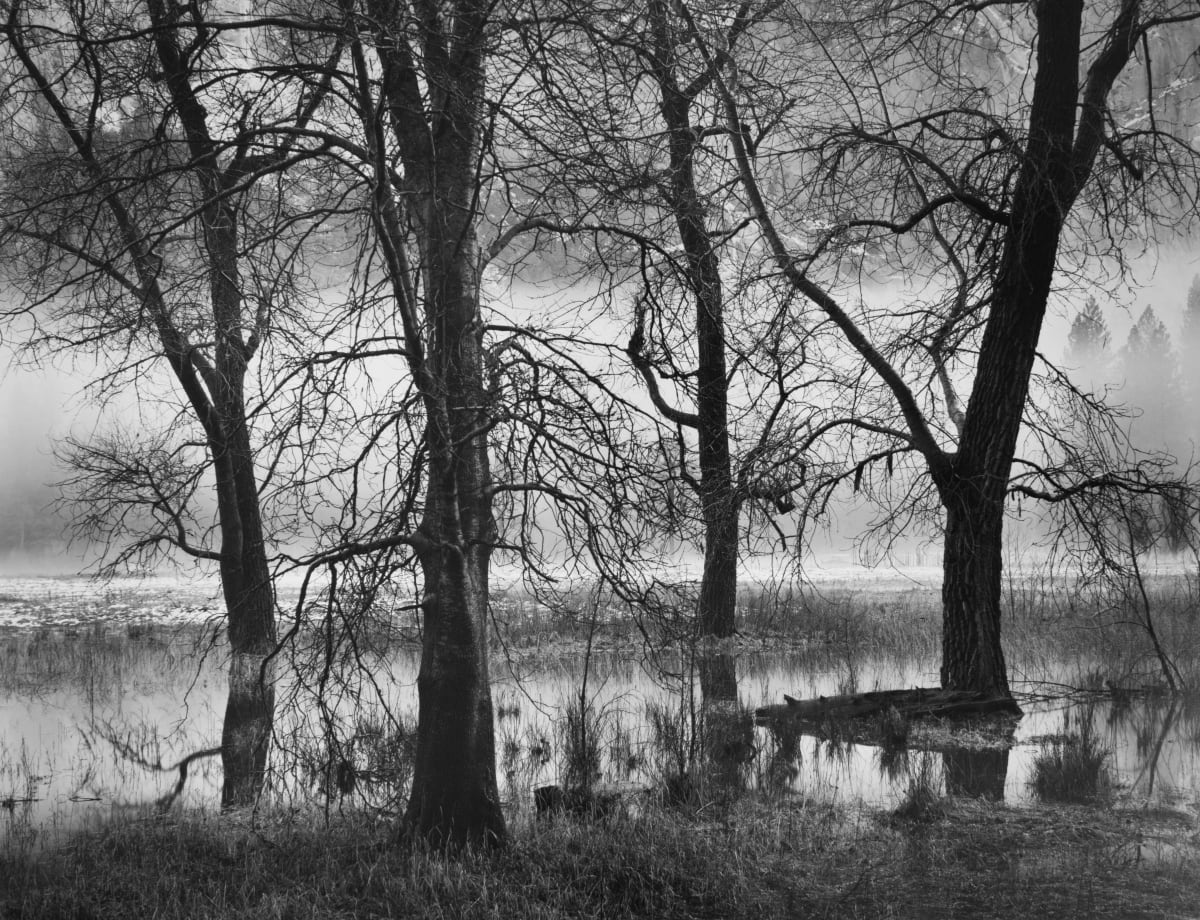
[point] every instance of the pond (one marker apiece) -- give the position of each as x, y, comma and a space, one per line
104, 690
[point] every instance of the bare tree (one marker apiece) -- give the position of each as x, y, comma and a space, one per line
417, 74
979, 148
143, 210
630, 156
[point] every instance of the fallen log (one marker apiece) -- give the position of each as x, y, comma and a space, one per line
917, 703
922, 719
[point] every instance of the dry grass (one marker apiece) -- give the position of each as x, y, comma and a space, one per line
747, 860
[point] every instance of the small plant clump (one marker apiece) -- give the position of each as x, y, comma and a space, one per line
1072, 767
923, 799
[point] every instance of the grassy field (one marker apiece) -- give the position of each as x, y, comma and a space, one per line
744, 859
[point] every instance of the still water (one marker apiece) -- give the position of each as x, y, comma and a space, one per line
103, 691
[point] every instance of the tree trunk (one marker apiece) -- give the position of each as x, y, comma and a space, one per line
245, 573
455, 801
250, 604
719, 505
431, 68
729, 731
972, 657
974, 487
718, 583
246, 731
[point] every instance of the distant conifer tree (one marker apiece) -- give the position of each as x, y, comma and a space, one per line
1151, 374
1088, 354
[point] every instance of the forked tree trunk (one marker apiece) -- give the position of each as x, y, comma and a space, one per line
432, 75
718, 502
455, 800
1068, 125
974, 487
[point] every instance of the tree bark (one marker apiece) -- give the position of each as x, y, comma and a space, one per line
250, 604
440, 49
719, 504
972, 656
455, 799
974, 487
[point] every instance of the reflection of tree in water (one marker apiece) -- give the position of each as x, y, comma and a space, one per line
1151, 735
1155, 718
718, 677
729, 728
980, 774
781, 766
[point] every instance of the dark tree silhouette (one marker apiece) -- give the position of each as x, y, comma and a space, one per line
981, 153
140, 222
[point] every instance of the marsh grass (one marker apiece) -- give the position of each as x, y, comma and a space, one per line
786, 859
1049, 618
1074, 766
1055, 620
584, 733
101, 661
765, 854
923, 800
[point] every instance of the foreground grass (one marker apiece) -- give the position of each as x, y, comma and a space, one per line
750, 859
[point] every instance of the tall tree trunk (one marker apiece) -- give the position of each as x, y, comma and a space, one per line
974, 487
972, 657
250, 602
455, 799
719, 505
245, 574
431, 63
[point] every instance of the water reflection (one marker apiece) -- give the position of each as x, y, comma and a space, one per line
980, 774
95, 725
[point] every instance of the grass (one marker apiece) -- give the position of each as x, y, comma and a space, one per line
1072, 767
841, 622
923, 800
750, 859
726, 856
105, 661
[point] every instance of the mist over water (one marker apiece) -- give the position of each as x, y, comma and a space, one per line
1156, 380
